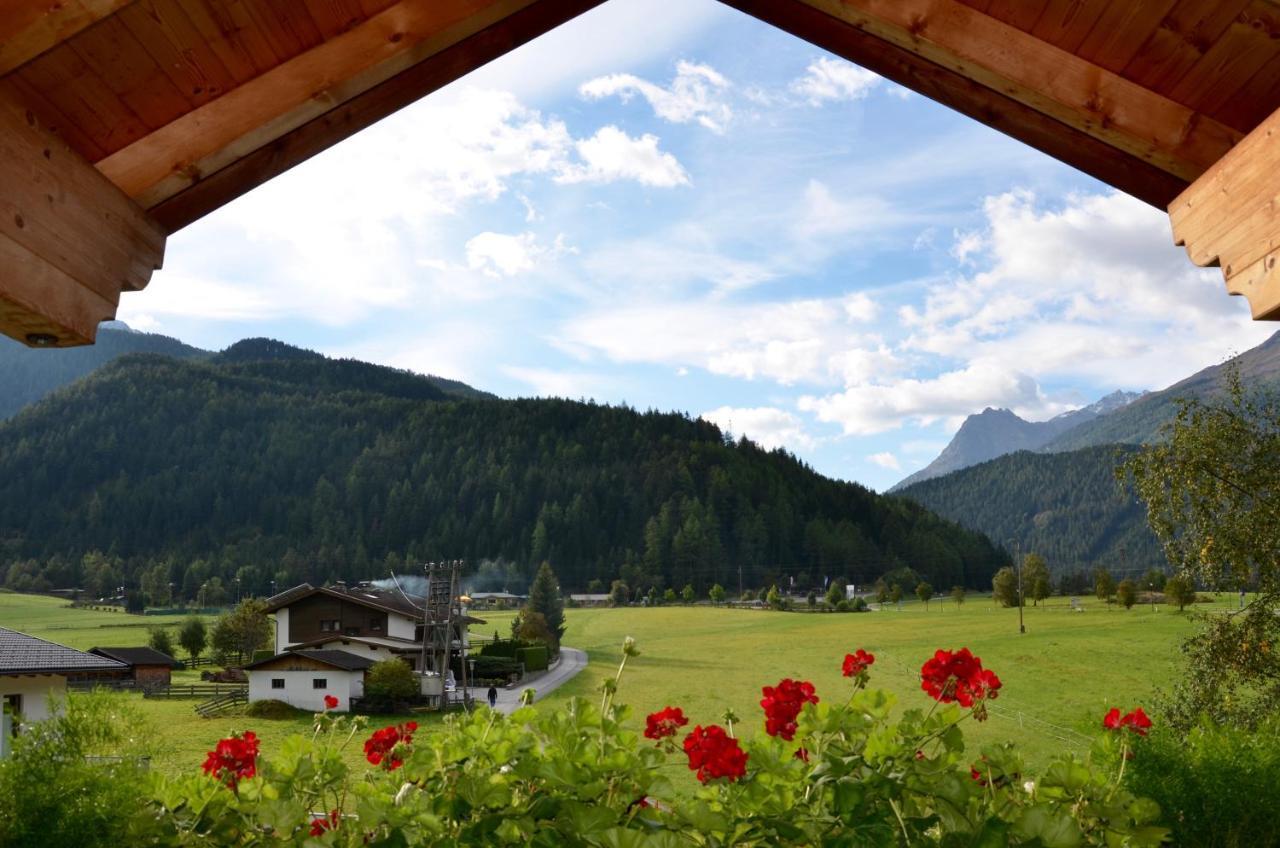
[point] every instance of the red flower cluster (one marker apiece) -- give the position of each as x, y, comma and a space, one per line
664, 723
325, 823
856, 664
1137, 721
958, 676
386, 747
330, 702
783, 703
713, 753
233, 759
802, 754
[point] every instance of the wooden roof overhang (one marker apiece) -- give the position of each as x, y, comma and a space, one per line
122, 121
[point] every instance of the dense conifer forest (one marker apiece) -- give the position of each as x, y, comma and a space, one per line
266, 466
1067, 507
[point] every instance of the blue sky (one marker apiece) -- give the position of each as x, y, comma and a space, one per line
684, 208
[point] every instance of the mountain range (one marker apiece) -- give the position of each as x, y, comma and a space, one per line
1051, 488
265, 463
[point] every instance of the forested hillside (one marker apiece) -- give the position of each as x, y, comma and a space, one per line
27, 374
270, 466
1066, 506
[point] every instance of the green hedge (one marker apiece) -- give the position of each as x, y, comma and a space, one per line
501, 648
495, 667
534, 657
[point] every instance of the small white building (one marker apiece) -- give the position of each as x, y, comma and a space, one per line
301, 678
34, 670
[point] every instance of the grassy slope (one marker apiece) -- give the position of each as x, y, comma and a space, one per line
1067, 670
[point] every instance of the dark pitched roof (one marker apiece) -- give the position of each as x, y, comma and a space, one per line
373, 597
137, 656
23, 654
344, 660
386, 600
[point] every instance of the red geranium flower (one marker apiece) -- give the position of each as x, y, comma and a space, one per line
713, 754
1137, 721
233, 759
664, 723
387, 747
802, 754
782, 705
856, 663
325, 823
330, 702
958, 676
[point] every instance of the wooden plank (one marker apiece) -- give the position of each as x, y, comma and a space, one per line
41, 306
1066, 23
943, 83
30, 27
1075, 92
1122, 32
117, 58
213, 190
1254, 101
207, 139
73, 241
62, 78
228, 31
179, 50
1181, 40
1230, 217
1239, 53
1020, 14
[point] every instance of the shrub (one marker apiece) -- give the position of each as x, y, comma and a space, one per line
858, 604
534, 657
495, 667
391, 680
835, 768
54, 797
159, 638
272, 710
1219, 784
842, 605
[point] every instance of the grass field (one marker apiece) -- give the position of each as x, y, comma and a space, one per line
1059, 678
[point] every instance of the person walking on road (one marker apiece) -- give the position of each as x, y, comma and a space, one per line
493, 697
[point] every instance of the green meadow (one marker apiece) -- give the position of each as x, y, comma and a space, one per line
1059, 677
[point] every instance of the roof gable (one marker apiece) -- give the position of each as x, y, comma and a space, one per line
23, 654
142, 655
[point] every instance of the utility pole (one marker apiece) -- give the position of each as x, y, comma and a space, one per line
1022, 628
739, 580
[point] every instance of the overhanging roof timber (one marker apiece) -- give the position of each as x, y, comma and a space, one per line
183, 105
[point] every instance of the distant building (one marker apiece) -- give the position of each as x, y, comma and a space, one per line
492, 599
302, 678
590, 600
145, 666
32, 670
327, 636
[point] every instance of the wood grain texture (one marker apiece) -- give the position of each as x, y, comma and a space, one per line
30, 27
1230, 217
214, 189
73, 240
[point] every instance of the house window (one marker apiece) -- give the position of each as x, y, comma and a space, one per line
375, 623
319, 683
277, 683
330, 625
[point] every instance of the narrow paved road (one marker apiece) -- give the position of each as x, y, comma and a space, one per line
571, 662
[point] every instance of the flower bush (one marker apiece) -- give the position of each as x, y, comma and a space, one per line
828, 771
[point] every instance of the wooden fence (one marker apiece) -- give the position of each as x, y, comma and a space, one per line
196, 690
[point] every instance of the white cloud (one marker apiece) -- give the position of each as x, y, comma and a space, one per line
885, 459
695, 94
551, 382
827, 80
499, 255
872, 408
965, 244
815, 341
611, 155
768, 426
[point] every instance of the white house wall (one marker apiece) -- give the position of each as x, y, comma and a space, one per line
299, 692
282, 630
400, 626
35, 692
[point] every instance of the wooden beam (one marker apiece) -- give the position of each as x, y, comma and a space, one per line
1067, 106
70, 240
1230, 217
30, 27
207, 139
214, 189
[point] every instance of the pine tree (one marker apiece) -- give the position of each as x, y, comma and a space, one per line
545, 598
